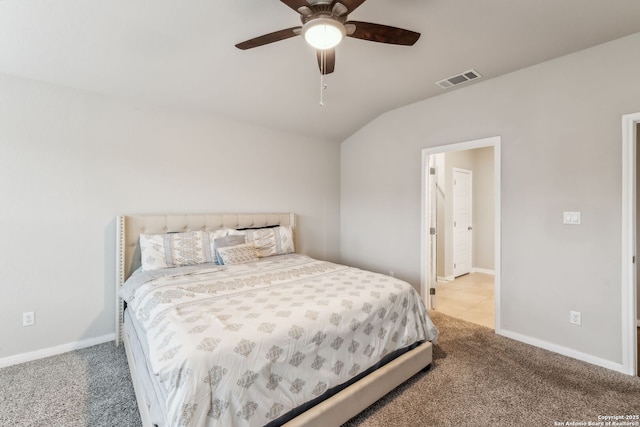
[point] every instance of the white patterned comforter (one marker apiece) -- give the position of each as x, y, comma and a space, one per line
242, 345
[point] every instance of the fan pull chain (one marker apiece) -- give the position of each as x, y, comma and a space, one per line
323, 61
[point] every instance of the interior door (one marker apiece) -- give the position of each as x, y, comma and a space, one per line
462, 221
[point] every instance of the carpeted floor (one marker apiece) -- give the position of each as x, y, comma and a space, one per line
481, 379
89, 387
477, 379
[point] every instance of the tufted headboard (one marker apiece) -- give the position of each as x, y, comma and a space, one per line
129, 229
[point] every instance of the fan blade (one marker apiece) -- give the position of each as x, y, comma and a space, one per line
383, 33
326, 60
351, 5
295, 4
269, 38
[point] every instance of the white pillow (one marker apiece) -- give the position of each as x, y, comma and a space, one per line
238, 254
177, 249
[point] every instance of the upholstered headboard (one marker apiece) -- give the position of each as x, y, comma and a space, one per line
129, 229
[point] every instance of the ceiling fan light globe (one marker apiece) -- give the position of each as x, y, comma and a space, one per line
323, 33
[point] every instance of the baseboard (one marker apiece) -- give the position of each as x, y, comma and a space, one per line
473, 270
565, 351
483, 270
53, 351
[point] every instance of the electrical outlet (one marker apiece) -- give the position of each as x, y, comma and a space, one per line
28, 318
575, 318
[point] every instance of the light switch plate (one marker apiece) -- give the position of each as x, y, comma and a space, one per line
572, 218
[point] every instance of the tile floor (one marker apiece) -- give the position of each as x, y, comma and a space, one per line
469, 297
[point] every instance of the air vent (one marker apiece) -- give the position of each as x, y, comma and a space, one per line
458, 79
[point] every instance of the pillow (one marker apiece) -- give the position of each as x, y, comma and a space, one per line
218, 234
223, 242
270, 241
175, 249
237, 254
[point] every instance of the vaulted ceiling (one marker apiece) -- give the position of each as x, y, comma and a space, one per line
181, 54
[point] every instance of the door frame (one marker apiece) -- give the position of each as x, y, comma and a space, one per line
453, 212
427, 267
629, 229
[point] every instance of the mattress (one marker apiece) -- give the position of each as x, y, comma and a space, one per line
247, 344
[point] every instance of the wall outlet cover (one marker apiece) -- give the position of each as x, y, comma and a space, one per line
28, 318
575, 318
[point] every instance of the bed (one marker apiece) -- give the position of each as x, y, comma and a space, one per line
252, 333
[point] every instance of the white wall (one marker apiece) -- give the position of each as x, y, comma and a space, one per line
71, 161
560, 124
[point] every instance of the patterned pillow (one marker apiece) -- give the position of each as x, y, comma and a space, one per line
269, 241
177, 249
223, 242
237, 254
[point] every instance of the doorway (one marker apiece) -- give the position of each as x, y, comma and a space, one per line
629, 291
475, 228
637, 269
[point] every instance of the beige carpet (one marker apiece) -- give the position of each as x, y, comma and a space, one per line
481, 379
477, 379
83, 388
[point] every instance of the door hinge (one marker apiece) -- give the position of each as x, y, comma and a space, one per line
634, 259
432, 171
432, 231
432, 291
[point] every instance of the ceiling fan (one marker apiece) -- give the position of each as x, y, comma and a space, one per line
325, 23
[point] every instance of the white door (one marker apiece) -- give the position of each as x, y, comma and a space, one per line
462, 222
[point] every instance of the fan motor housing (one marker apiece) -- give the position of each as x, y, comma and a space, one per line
322, 10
